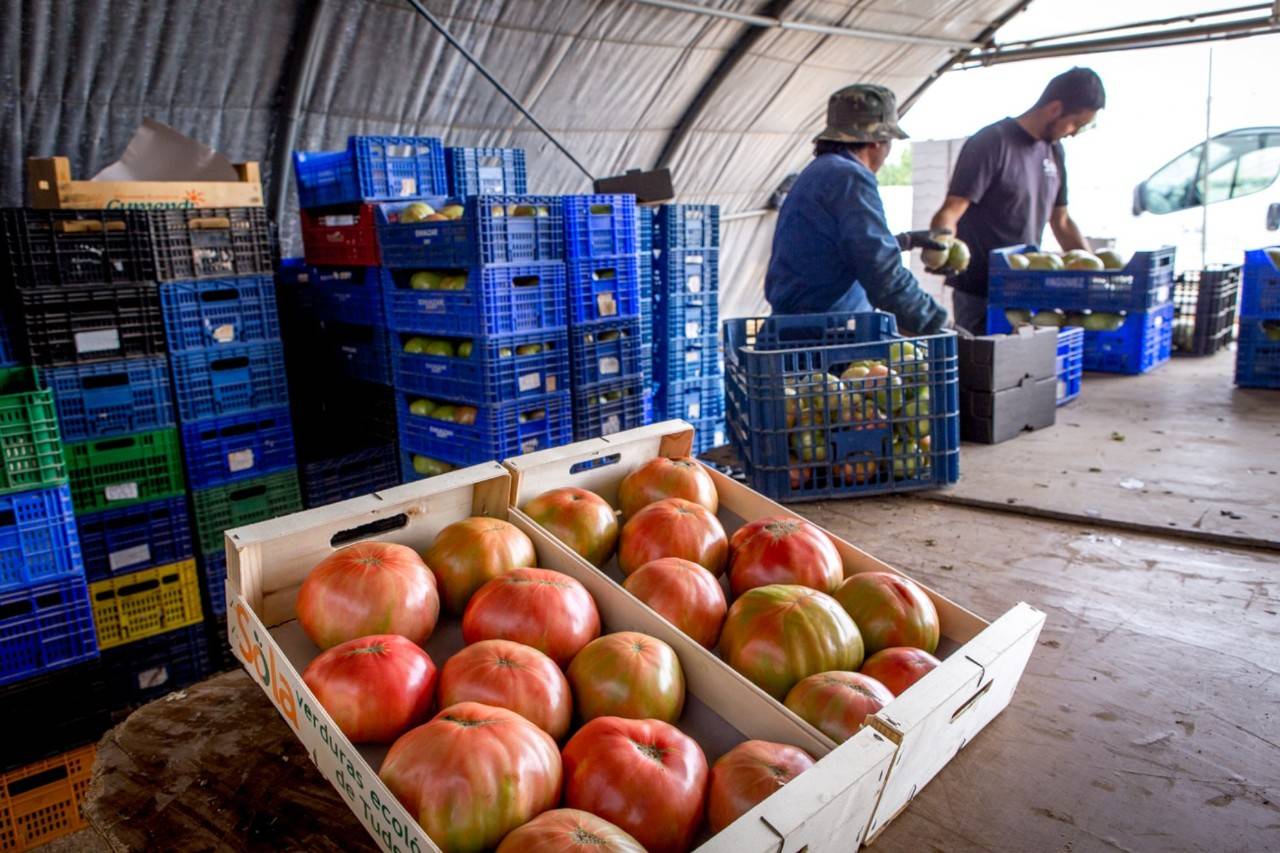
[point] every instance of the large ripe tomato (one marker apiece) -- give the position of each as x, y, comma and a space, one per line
473, 774
470, 552
663, 477
580, 519
628, 674
837, 703
513, 676
673, 528
783, 550
569, 831
687, 595
538, 607
890, 611
747, 774
776, 635
368, 588
646, 776
899, 667
376, 688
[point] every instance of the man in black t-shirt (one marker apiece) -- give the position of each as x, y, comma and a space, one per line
1010, 180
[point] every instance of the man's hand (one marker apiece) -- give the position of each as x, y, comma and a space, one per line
925, 239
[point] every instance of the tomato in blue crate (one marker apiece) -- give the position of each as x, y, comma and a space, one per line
375, 688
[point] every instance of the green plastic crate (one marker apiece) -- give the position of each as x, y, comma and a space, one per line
235, 504
121, 470
28, 433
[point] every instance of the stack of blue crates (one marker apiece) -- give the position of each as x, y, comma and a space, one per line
688, 369
644, 239
1258, 347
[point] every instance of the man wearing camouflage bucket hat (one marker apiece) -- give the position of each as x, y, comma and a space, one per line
832, 249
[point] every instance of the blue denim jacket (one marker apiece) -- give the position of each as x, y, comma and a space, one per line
833, 251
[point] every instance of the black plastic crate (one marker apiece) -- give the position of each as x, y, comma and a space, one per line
59, 248
1204, 304
210, 242
51, 713
152, 667
77, 325
151, 533
350, 475
333, 415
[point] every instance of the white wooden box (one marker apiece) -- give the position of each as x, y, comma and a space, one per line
929, 722
826, 808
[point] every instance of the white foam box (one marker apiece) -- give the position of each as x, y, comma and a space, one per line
927, 725
826, 808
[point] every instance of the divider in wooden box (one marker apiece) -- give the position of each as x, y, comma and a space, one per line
929, 722
825, 808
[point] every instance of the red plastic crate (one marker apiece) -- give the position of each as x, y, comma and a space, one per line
344, 237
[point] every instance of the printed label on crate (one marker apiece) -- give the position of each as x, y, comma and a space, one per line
490, 179
434, 305
440, 433
240, 460
435, 368
122, 492
118, 560
100, 340
338, 220
551, 384
530, 381
611, 424
609, 366
224, 334
152, 678
408, 186
694, 411
693, 356
693, 329
606, 304
529, 445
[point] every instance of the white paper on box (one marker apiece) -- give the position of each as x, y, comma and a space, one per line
129, 557
240, 460
152, 678
609, 366
224, 334
100, 340
122, 492
606, 304
695, 410
693, 356
693, 329
530, 381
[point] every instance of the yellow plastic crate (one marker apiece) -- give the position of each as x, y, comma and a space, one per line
145, 603
41, 802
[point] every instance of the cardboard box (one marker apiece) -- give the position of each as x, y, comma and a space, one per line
50, 187
826, 808
991, 417
928, 724
997, 362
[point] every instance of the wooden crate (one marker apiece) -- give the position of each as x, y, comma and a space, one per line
826, 808
50, 187
929, 722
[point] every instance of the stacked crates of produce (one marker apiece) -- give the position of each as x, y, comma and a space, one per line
644, 242
1258, 347
1126, 310
1204, 306
688, 370
839, 405
606, 336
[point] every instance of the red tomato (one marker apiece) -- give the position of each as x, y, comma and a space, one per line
368, 588
473, 774
580, 519
375, 688
673, 528
628, 674
837, 703
512, 676
890, 611
783, 550
569, 831
538, 607
747, 774
776, 635
663, 477
899, 667
468, 553
646, 776
687, 595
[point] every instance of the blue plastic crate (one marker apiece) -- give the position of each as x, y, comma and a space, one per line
1146, 282
500, 431
645, 225
152, 667
45, 626
1260, 290
1258, 353
646, 360
608, 407
605, 351
350, 475
1143, 342
347, 295
237, 447
494, 229
212, 312
604, 289
497, 300
486, 171
690, 400
708, 433
372, 168
38, 539
6, 348
112, 397
118, 541
687, 226
213, 583
1070, 365
802, 436
599, 226
362, 353
495, 370
681, 359
648, 415
232, 378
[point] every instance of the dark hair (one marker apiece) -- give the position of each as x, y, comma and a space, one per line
1077, 89
826, 146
